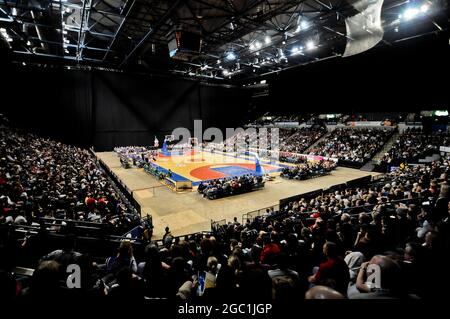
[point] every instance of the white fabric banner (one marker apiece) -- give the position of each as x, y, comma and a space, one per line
364, 29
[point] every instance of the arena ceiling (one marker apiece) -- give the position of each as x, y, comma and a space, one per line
240, 39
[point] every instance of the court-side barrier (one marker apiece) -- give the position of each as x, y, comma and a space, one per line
117, 183
176, 239
163, 175
218, 223
309, 195
128, 193
259, 212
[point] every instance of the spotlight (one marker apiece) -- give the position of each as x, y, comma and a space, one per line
310, 45
258, 44
296, 50
267, 39
424, 8
411, 13
225, 72
231, 56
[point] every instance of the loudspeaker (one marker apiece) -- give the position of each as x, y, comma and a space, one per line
184, 44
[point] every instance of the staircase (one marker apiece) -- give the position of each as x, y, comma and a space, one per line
316, 142
370, 165
387, 146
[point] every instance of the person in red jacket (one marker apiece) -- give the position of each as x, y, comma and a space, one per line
333, 272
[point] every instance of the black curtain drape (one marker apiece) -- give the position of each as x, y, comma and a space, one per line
108, 109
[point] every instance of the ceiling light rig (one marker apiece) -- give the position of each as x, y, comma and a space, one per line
230, 56
414, 11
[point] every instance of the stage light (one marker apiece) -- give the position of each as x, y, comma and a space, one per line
231, 56
225, 72
310, 45
252, 46
257, 44
267, 39
411, 13
304, 24
424, 8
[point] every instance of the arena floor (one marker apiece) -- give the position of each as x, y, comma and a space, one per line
197, 166
189, 212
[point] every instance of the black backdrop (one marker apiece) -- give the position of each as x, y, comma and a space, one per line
408, 76
107, 109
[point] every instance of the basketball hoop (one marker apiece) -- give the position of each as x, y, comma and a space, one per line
169, 138
193, 142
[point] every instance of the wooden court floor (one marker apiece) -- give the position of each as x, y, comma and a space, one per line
200, 166
189, 212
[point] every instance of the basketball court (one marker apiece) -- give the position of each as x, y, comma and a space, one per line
189, 212
197, 165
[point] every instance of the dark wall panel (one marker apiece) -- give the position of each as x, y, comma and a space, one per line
408, 76
54, 103
105, 109
130, 108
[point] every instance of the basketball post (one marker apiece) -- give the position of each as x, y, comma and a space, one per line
259, 170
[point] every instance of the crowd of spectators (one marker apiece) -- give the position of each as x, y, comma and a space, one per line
300, 140
324, 247
309, 170
414, 144
289, 140
43, 178
356, 145
223, 187
136, 155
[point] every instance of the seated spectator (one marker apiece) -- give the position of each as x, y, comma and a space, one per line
124, 258
65, 256
334, 272
323, 292
352, 145
391, 283
285, 281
